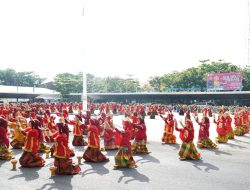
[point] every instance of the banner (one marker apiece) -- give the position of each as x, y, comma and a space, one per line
224, 81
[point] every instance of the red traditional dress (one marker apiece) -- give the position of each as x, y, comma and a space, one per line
221, 129
245, 121
93, 153
168, 135
188, 149
39, 126
30, 157
230, 132
139, 145
203, 139
62, 160
110, 136
65, 130
5, 153
124, 157
239, 130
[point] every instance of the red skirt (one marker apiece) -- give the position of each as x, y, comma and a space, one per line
31, 160
79, 141
65, 166
94, 155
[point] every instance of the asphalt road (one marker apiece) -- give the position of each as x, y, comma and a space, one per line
227, 167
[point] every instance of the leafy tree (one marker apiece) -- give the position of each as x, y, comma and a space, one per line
12, 78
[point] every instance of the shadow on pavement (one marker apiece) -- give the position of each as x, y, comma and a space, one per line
59, 182
147, 158
112, 152
175, 146
16, 151
235, 145
239, 141
219, 152
29, 174
198, 164
97, 168
132, 175
2, 162
245, 136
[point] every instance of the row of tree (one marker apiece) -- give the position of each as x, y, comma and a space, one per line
66, 83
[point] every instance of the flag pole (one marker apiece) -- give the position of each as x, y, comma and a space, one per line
84, 78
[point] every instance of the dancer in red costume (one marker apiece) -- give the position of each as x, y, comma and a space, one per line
168, 135
30, 157
93, 152
221, 129
78, 139
188, 149
62, 153
203, 139
140, 142
124, 157
5, 153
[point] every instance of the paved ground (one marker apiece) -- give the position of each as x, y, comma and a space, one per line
225, 168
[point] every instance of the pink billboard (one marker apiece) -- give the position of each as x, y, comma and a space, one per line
224, 81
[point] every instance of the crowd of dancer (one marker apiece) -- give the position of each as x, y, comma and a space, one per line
31, 127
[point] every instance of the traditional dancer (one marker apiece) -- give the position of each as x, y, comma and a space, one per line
140, 142
188, 149
230, 132
110, 136
78, 139
124, 157
30, 157
168, 135
62, 153
18, 124
39, 127
221, 129
93, 153
203, 139
65, 130
239, 130
5, 153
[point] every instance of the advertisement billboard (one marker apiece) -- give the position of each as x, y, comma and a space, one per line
224, 81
